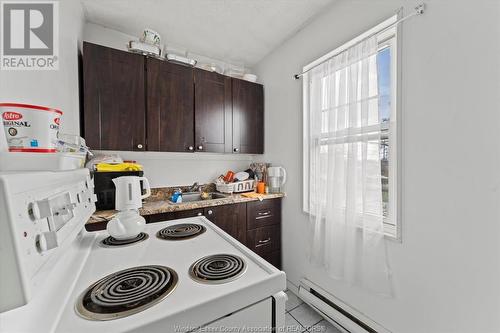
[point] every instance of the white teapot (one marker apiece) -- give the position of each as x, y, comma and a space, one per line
126, 225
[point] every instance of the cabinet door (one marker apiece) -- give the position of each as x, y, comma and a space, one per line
248, 117
230, 218
170, 116
114, 116
213, 112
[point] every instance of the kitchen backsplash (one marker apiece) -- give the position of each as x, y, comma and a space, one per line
164, 193
174, 169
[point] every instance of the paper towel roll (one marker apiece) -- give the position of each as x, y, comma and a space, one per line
4, 147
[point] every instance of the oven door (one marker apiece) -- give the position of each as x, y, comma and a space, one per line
263, 316
257, 317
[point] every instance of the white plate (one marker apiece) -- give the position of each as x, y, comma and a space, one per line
241, 175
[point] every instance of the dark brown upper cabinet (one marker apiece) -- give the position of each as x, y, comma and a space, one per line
170, 107
248, 117
133, 102
114, 99
212, 112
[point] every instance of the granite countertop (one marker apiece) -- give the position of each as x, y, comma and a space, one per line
159, 203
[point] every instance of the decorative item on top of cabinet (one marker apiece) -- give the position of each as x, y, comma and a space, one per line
212, 112
248, 117
170, 101
114, 113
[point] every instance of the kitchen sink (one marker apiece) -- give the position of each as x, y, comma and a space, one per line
196, 196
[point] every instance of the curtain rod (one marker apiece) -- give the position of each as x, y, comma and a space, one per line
417, 11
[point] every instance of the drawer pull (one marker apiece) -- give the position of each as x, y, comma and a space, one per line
262, 242
268, 212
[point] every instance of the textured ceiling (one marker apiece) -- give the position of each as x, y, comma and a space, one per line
229, 30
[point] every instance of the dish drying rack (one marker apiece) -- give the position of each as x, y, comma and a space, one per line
236, 187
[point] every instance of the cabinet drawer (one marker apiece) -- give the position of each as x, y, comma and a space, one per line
264, 240
263, 213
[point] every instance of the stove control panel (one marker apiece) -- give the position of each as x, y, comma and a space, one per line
43, 214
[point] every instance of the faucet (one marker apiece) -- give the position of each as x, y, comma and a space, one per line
195, 187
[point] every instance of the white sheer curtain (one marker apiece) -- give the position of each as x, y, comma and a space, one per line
345, 189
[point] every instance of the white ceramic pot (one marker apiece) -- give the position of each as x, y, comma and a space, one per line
126, 225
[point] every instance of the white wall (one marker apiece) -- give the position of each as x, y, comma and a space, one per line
57, 89
173, 169
447, 269
101, 35
169, 169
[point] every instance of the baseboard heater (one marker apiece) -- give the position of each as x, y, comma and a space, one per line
335, 311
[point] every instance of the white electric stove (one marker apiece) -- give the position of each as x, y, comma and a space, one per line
178, 276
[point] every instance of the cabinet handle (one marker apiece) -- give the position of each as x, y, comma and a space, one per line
200, 147
190, 148
236, 150
139, 146
210, 212
268, 212
263, 242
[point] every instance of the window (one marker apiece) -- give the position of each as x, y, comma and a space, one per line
385, 125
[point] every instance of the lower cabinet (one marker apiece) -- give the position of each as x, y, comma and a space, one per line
230, 218
264, 229
256, 224
173, 215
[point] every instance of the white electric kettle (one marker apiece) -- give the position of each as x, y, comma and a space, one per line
276, 178
128, 192
128, 223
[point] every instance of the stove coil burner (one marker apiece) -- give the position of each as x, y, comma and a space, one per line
113, 242
217, 268
126, 292
181, 231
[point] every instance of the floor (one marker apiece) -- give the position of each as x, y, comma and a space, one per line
300, 317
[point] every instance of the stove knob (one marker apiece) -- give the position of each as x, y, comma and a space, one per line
46, 241
39, 209
210, 212
34, 211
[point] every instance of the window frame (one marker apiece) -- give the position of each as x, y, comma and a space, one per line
389, 38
